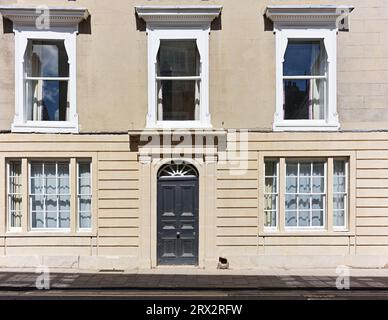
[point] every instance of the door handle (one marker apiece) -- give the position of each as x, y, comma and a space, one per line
178, 235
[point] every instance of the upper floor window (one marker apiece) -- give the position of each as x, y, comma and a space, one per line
178, 65
46, 71
305, 80
306, 49
45, 68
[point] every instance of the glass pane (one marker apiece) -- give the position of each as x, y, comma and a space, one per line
85, 204
305, 58
47, 100
304, 219
317, 202
291, 219
84, 170
339, 218
46, 58
339, 201
317, 218
63, 170
318, 169
339, 184
304, 185
290, 202
63, 186
270, 218
64, 219
51, 180
339, 167
37, 220
178, 100
304, 202
36, 170
15, 202
51, 219
292, 169
304, 99
64, 203
51, 203
270, 202
291, 185
16, 219
85, 220
305, 169
270, 185
270, 168
37, 203
178, 58
318, 185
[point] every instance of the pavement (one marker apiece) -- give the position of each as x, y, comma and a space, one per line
178, 280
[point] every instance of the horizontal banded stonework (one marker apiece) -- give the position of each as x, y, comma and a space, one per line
117, 195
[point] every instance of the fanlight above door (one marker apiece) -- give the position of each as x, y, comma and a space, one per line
178, 170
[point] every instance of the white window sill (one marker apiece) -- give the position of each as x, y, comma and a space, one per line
53, 230
304, 229
180, 125
305, 125
46, 127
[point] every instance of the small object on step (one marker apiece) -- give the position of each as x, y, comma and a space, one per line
223, 263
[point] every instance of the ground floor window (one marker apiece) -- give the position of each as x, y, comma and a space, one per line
46, 188
299, 187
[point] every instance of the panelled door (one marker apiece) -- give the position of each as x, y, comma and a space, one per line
177, 223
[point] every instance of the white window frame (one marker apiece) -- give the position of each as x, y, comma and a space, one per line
276, 227
178, 23
44, 229
63, 25
308, 23
345, 227
79, 195
324, 194
9, 194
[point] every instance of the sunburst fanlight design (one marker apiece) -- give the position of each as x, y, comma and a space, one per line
178, 170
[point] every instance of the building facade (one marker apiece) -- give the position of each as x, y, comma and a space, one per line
140, 134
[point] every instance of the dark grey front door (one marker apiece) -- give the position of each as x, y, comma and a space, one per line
177, 221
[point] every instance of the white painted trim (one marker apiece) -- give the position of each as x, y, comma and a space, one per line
58, 16
329, 37
178, 22
20, 123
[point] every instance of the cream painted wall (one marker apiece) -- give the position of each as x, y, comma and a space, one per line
112, 64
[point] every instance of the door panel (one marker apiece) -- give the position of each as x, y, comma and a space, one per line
177, 221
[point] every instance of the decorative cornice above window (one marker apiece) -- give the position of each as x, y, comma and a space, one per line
308, 15
58, 17
170, 15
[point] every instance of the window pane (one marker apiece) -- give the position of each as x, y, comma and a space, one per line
304, 99
84, 194
318, 185
304, 218
339, 218
270, 218
270, 168
178, 100
317, 218
15, 194
305, 193
46, 58
291, 219
47, 100
51, 219
304, 202
339, 201
339, 167
270, 185
49, 198
291, 202
270, 202
178, 58
37, 219
305, 58
304, 185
